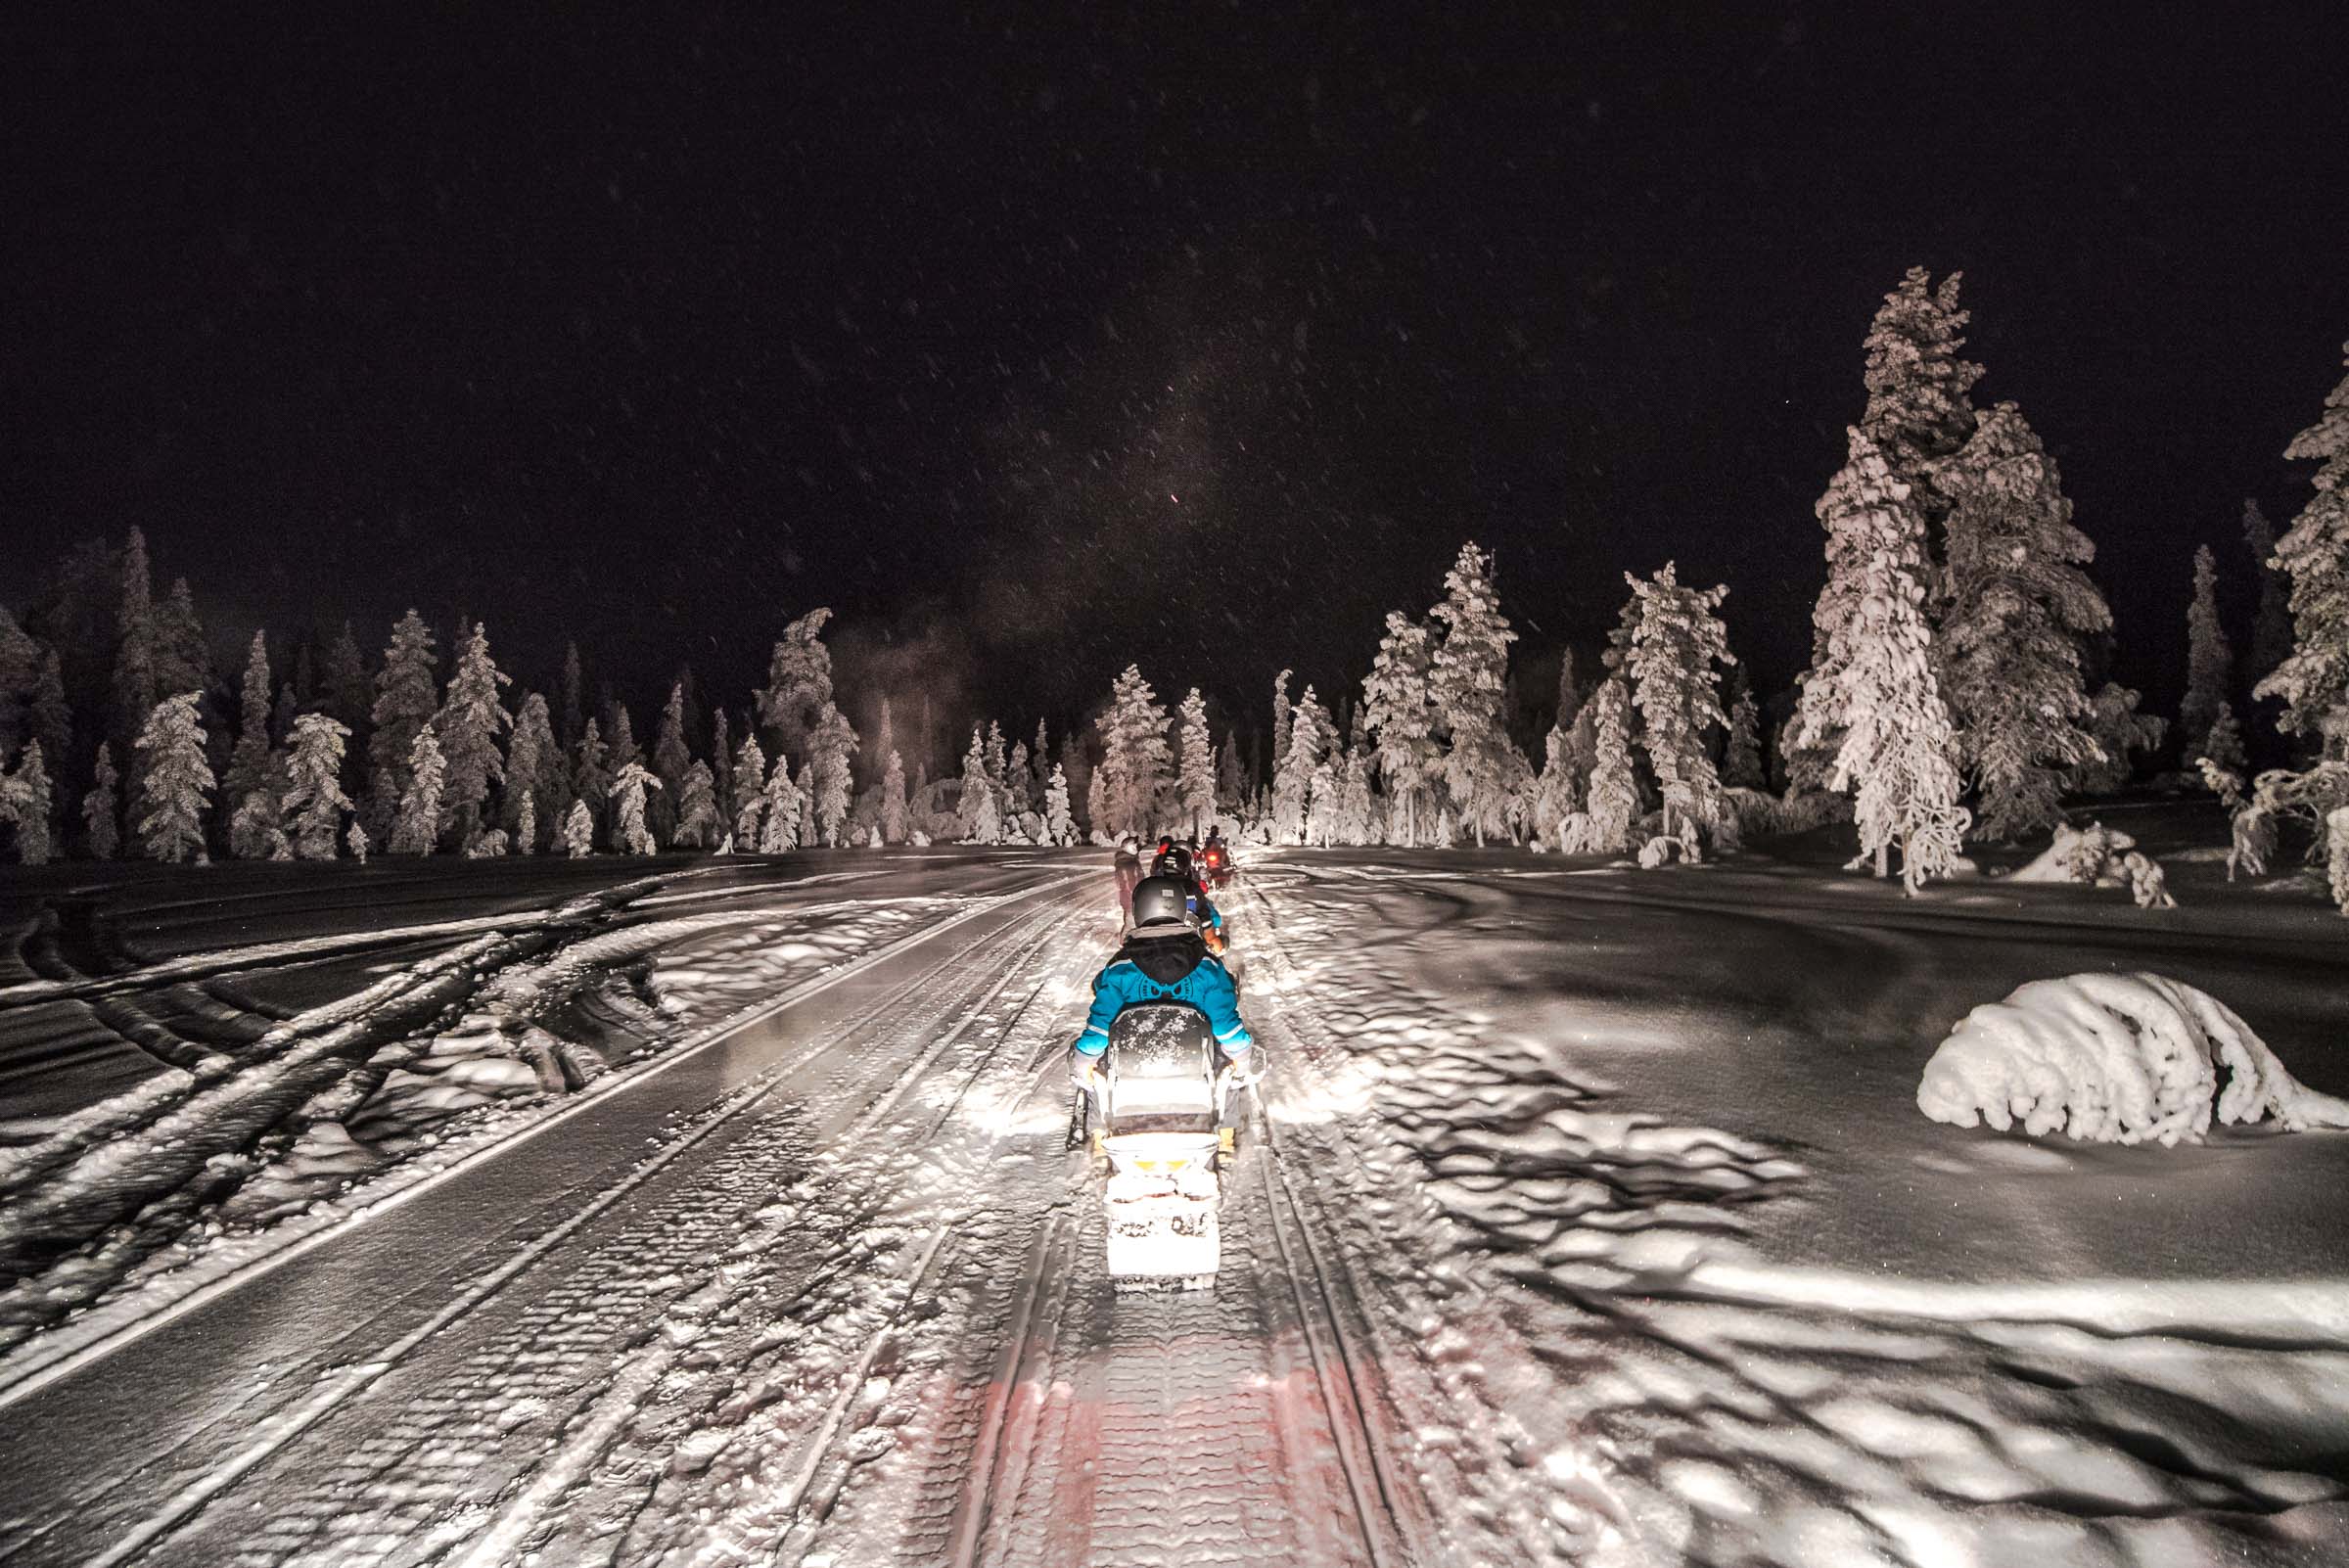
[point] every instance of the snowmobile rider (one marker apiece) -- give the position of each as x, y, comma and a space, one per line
1174, 860
1165, 959
1129, 863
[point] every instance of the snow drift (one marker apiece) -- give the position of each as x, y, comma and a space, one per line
2113, 1059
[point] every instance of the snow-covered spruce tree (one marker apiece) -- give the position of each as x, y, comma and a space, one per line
2209, 662
1919, 409
1557, 788
51, 718
176, 781
672, 758
1017, 777
572, 696
831, 744
1195, 780
2223, 745
26, 805
998, 768
101, 808
183, 661
2016, 617
1741, 753
803, 781
247, 785
1228, 777
416, 827
1676, 643
1284, 715
629, 786
1899, 749
750, 790
591, 769
721, 772
2121, 733
1096, 800
1355, 819
1862, 486
579, 831
620, 739
1482, 769
893, 801
1135, 767
19, 660
779, 809
347, 692
697, 809
1311, 735
799, 685
979, 817
1039, 766
1059, 826
536, 781
2272, 623
1614, 798
406, 698
134, 686
468, 727
314, 802
2314, 682
1401, 719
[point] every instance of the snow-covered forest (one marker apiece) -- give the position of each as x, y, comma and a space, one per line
1955, 695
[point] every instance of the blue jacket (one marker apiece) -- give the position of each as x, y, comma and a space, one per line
1166, 969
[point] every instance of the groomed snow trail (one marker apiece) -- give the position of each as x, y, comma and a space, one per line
848, 1310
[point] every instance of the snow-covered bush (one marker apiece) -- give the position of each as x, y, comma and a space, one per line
2099, 856
1760, 814
2113, 1059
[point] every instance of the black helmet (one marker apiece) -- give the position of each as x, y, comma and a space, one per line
1162, 907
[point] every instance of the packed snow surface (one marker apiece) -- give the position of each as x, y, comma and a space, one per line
1585, 1217
2115, 1059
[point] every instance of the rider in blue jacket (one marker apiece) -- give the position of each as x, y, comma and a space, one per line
1165, 959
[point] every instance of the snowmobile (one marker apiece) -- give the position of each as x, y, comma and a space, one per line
1214, 868
1160, 1112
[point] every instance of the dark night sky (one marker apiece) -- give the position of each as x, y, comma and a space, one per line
1178, 334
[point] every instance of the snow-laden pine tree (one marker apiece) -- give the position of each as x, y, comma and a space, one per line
2224, 744
135, 688
1401, 719
348, 691
1228, 776
2209, 661
697, 808
799, 685
20, 661
620, 739
51, 718
629, 787
1741, 753
1059, 826
672, 758
721, 772
1096, 800
416, 827
101, 807
1355, 816
1017, 778
1284, 714
779, 808
1919, 409
2314, 681
1483, 770
1613, 805
750, 790
536, 781
1039, 765
591, 769
1195, 776
406, 698
571, 711
175, 782
2121, 734
998, 767
579, 831
893, 801
2272, 624
468, 724
831, 745
1135, 765
26, 805
1557, 788
314, 802
2017, 616
183, 661
975, 810
1309, 736
246, 788
1899, 747
1862, 486
1676, 643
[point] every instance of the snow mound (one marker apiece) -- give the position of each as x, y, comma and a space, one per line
2099, 856
2113, 1059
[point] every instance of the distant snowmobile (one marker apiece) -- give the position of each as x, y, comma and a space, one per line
1159, 1106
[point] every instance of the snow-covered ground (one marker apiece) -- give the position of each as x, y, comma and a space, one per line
725, 1217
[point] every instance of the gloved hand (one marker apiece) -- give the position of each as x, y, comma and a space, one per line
1247, 1070
1083, 1068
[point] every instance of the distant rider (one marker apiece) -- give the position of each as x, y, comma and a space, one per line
1129, 863
1174, 860
1165, 959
